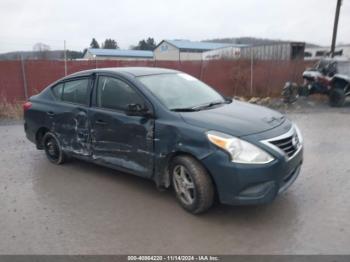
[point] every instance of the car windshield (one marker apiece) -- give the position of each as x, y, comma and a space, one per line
181, 91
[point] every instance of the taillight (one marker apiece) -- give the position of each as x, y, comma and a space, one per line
26, 106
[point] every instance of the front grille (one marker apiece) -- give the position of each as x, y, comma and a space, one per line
288, 145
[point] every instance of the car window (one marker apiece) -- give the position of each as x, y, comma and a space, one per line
115, 94
57, 91
76, 91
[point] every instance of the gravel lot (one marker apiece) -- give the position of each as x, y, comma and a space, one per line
80, 208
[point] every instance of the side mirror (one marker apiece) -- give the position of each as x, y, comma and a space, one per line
137, 110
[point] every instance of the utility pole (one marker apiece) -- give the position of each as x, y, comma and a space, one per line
251, 70
65, 58
25, 87
335, 28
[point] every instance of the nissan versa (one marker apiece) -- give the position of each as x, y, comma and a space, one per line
170, 127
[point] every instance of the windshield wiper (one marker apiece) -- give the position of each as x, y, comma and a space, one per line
185, 109
200, 107
211, 104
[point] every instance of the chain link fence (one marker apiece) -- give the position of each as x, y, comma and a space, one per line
22, 79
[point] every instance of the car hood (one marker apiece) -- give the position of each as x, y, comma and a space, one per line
237, 118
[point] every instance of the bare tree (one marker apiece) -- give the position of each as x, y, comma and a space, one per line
42, 50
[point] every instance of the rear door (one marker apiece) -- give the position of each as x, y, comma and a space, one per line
118, 139
69, 117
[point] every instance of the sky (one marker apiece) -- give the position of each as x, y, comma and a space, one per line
26, 22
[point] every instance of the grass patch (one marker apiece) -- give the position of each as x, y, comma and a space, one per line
11, 110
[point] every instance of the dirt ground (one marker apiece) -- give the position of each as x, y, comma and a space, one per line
80, 208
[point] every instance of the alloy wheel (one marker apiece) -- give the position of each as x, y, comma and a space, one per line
184, 185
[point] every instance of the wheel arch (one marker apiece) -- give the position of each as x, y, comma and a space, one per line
166, 177
39, 136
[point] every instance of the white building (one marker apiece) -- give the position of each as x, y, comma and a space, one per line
275, 51
182, 50
225, 53
117, 54
312, 53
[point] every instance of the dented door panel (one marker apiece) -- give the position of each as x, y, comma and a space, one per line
123, 141
71, 125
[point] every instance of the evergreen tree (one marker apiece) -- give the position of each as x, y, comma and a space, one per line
94, 43
148, 44
110, 44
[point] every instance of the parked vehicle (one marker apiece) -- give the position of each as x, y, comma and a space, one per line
170, 127
328, 77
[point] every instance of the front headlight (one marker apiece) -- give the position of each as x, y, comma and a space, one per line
240, 151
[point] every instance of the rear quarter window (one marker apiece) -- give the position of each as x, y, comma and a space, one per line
57, 91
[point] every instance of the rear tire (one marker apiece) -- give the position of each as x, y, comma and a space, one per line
192, 184
53, 149
337, 97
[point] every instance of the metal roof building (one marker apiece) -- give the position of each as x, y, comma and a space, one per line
179, 50
312, 53
273, 51
186, 45
103, 54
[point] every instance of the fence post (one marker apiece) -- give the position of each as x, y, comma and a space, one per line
201, 72
25, 87
251, 71
65, 58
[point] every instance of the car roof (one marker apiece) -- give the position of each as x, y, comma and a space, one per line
134, 71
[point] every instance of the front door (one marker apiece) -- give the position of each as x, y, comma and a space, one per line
117, 139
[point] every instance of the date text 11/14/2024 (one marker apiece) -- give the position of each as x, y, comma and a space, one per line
174, 258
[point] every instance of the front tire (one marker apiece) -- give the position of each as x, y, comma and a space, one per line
192, 184
337, 97
53, 149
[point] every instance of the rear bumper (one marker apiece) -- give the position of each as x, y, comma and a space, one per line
239, 184
30, 134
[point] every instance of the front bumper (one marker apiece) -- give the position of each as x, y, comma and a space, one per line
242, 184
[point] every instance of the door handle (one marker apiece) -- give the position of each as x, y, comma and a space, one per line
50, 114
83, 136
100, 122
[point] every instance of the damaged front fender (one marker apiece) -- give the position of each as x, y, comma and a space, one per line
173, 139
